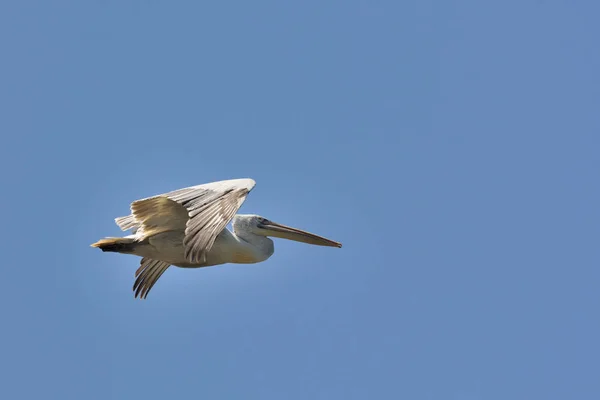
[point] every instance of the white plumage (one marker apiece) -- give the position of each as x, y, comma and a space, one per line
187, 228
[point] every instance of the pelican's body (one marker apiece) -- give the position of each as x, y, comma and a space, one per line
242, 247
187, 228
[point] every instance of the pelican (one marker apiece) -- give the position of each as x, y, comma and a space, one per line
187, 228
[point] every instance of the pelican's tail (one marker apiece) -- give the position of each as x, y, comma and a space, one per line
116, 244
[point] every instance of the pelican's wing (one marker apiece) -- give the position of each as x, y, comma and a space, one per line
205, 209
158, 214
147, 275
210, 207
154, 215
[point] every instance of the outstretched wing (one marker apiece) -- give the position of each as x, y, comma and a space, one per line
209, 209
147, 275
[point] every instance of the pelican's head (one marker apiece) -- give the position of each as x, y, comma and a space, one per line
263, 227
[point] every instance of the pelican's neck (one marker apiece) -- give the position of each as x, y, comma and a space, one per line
257, 247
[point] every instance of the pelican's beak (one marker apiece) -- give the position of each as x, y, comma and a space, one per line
286, 232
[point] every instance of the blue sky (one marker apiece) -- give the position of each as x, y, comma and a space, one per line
452, 146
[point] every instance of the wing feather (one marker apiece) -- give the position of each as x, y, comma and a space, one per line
147, 275
159, 214
128, 222
207, 222
208, 216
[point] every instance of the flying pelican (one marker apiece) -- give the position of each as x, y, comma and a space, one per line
187, 228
